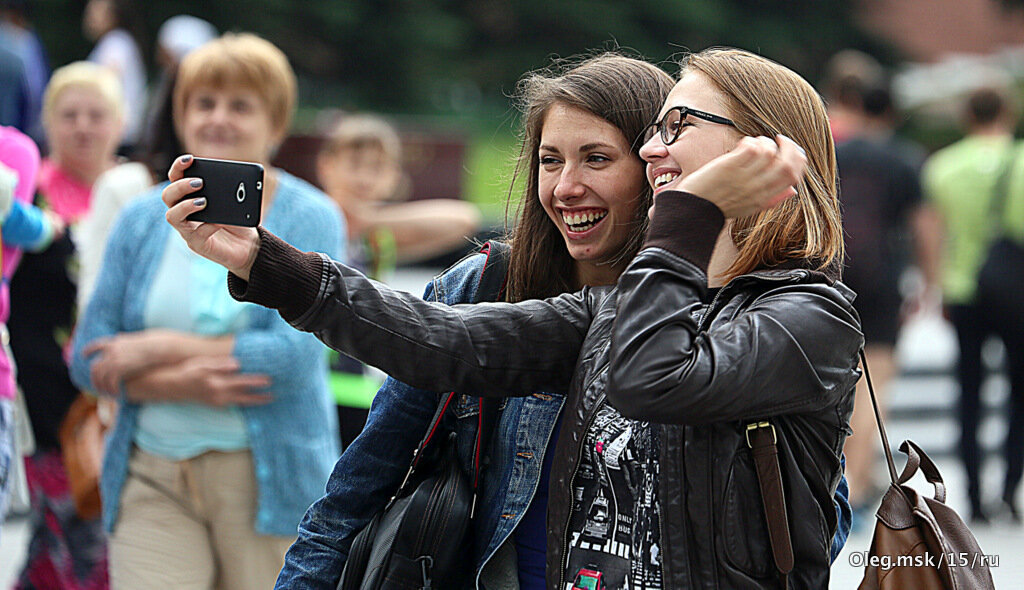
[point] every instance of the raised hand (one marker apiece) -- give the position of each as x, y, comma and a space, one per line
757, 174
232, 247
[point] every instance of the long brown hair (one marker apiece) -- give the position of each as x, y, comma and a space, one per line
626, 92
766, 98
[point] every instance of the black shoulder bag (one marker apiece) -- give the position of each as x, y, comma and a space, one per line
1001, 276
421, 538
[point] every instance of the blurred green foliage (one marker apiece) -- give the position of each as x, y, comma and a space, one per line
465, 55
460, 59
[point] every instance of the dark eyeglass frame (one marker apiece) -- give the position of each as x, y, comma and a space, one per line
661, 129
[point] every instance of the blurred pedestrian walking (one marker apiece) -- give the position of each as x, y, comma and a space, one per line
881, 197
977, 185
116, 29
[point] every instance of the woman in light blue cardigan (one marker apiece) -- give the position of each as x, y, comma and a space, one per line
226, 432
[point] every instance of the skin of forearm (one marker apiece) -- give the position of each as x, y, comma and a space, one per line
929, 232
175, 347
162, 384
427, 228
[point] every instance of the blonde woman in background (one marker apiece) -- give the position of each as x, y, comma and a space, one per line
83, 116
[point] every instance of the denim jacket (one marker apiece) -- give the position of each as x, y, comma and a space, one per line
373, 466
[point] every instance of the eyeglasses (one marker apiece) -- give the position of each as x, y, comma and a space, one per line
672, 123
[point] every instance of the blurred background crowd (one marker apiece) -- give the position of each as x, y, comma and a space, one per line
389, 140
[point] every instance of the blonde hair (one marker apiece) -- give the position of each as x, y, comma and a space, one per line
360, 131
83, 74
765, 98
240, 60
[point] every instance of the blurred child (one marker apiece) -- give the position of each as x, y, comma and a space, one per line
360, 168
24, 226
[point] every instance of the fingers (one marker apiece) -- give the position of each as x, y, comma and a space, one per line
238, 390
179, 190
95, 346
178, 167
249, 399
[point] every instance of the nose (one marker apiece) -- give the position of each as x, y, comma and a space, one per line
570, 185
654, 149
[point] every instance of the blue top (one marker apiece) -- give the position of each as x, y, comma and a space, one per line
372, 467
532, 534
294, 437
188, 295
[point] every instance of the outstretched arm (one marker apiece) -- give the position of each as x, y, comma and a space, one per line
480, 349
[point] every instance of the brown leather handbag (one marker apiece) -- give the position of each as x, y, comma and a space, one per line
920, 542
81, 441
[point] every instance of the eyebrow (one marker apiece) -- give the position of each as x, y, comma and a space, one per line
583, 148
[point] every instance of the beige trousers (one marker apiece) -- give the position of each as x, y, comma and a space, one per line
189, 525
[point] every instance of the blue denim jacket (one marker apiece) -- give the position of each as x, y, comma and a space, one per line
374, 464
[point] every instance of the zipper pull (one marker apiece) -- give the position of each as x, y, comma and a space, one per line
426, 562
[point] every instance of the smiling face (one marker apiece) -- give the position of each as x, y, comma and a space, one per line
589, 183
699, 141
231, 124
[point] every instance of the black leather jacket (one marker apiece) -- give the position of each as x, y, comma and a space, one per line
776, 344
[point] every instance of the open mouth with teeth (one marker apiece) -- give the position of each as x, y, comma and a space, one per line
663, 179
579, 222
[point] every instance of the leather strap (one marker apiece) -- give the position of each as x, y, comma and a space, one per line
762, 441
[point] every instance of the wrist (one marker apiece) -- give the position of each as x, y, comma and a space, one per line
243, 271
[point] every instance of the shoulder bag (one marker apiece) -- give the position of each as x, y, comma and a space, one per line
1001, 276
920, 542
422, 536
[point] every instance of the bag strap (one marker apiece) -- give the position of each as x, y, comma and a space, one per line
490, 285
881, 426
762, 439
997, 208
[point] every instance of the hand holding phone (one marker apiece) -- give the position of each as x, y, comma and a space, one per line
233, 247
233, 191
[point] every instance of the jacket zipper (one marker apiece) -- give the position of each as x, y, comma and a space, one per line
568, 519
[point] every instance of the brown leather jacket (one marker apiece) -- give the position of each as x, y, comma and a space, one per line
777, 344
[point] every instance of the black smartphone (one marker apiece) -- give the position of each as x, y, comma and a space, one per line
233, 191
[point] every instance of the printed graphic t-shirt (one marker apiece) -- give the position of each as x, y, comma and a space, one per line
614, 525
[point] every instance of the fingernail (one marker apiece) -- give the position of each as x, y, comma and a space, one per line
200, 202
186, 158
196, 182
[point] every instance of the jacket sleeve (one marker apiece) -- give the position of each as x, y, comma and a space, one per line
269, 345
488, 347
791, 350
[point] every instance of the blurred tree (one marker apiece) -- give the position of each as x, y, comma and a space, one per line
452, 55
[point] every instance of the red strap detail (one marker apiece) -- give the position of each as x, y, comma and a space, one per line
433, 427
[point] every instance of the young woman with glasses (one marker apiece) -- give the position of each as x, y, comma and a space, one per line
729, 321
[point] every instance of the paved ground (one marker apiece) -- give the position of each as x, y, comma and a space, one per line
922, 403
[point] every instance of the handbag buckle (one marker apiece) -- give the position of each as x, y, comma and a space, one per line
755, 425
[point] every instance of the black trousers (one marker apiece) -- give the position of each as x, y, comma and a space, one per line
973, 326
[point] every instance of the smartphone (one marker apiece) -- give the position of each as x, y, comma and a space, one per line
233, 191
